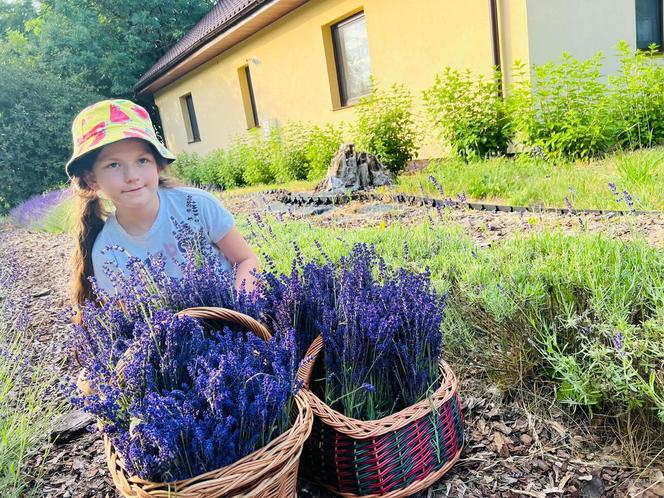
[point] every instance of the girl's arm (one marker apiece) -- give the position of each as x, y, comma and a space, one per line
236, 250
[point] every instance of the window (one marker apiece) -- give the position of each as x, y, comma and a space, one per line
189, 114
351, 55
648, 23
248, 98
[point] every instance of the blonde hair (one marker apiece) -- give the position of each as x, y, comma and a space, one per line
89, 218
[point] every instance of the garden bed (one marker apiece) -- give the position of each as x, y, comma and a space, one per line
523, 446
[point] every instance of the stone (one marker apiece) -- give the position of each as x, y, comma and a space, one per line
70, 422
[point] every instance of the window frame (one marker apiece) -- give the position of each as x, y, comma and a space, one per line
660, 41
251, 109
344, 100
190, 120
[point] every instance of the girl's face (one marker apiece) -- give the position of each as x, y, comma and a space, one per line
127, 173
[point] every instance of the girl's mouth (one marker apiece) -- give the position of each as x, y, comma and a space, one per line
133, 190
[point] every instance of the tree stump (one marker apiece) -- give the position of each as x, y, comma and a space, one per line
352, 171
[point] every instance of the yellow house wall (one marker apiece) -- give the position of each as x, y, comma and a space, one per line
409, 42
513, 26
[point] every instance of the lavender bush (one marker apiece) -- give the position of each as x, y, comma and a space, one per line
36, 208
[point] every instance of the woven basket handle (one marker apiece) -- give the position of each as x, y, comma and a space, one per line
307, 364
212, 313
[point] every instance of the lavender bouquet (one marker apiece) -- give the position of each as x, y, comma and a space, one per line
380, 329
182, 400
177, 399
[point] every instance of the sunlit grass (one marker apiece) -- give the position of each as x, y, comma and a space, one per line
532, 182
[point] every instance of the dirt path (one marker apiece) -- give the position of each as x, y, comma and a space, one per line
509, 452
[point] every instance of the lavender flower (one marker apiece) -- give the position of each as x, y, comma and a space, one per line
616, 194
36, 208
437, 184
380, 328
617, 341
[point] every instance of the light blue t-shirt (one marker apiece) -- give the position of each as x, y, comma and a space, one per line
198, 208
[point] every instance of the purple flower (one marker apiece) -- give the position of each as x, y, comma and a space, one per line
36, 208
628, 199
617, 341
437, 184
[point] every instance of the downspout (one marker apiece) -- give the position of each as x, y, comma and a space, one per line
495, 39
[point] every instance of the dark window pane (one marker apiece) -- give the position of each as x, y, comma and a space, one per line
352, 58
252, 99
648, 23
195, 135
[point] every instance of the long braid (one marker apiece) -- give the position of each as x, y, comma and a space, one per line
89, 214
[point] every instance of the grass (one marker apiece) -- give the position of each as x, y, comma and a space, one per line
293, 186
29, 405
584, 314
532, 182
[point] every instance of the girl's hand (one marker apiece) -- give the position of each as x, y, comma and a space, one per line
238, 253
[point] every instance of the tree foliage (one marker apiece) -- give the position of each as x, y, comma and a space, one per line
56, 56
36, 110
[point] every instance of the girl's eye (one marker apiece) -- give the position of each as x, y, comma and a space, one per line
112, 165
143, 161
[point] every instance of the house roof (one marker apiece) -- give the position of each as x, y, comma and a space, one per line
221, 17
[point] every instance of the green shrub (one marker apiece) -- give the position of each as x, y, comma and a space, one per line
187, 167
287, 149
229, 173
566, 109
585, 311
470, 113
637, 97
294, 152
36, 111
386, 126
322, 144
252, 158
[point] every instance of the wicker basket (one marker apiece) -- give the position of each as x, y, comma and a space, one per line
270, 471
395, 456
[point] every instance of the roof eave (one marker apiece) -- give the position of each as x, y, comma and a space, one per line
232, 32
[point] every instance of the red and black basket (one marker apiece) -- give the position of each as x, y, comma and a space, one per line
392, 457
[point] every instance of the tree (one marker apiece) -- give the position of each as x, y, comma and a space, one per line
110, 44
13, 15
36, 111
62, 55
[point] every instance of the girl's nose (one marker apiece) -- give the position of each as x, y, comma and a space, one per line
131, 173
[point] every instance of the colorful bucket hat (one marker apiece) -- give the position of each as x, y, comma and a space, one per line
109, 121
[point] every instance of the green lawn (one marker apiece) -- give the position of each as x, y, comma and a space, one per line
531, 182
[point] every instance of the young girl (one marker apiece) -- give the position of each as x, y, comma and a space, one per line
117, 155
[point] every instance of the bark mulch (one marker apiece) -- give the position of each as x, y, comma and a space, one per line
511, 450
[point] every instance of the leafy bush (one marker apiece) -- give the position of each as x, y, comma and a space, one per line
287, 149
187, 167
294, 152
637, 98
386, 126
586, 311
36, 111
322, 145
470, 113
565, 108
